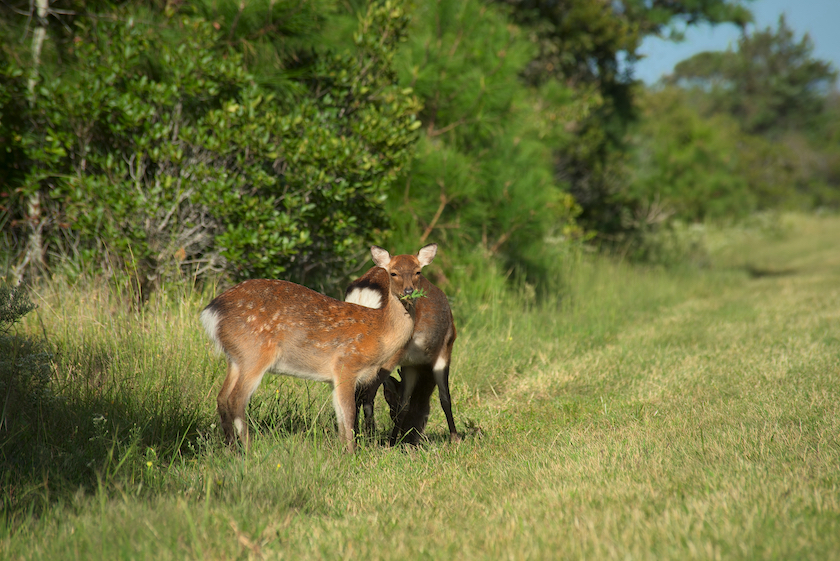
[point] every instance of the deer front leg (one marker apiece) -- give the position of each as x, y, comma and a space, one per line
344, 402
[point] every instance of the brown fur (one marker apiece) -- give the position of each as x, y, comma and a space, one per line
275, 325
424, 365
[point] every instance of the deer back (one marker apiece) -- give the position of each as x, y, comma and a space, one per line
303, 333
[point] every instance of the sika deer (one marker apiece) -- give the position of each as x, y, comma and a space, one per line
275, 325
424, 364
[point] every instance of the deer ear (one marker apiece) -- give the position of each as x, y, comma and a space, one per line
381, 257
426, 254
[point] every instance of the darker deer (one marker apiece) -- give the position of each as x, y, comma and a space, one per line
282, 327
424, 364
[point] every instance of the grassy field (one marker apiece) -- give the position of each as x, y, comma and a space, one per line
640, 414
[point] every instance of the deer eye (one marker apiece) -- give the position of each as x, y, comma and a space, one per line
393, 274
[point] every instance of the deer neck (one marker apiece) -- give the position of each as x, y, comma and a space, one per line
400, 318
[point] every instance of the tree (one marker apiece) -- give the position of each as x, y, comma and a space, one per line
771, 83
482, 177
592, 46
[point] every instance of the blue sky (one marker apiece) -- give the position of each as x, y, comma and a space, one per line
819, 18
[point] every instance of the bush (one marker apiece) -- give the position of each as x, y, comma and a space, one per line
688, 164
25, 365
172, 158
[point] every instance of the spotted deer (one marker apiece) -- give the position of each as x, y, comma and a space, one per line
424, 364
282, 327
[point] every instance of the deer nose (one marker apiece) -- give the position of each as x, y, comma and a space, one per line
408, 291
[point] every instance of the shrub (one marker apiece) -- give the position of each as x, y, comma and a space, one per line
25, 365
173, 158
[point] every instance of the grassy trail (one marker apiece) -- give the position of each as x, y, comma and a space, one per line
650, 415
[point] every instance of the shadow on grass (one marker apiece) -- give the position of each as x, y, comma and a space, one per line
61, 444
756, 272
97, 432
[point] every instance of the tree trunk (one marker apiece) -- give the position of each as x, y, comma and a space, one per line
34, 253
41, 7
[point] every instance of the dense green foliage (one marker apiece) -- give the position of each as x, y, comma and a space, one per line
482, 178
688, 163
278, 138
172, 156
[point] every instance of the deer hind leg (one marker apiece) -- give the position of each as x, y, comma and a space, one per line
222, 403
415, 420
441, 374
392, 389
238, 396
360, 397
365, 397
344, 402
409, 375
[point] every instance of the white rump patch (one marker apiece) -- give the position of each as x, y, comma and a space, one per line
211, 323
366, 297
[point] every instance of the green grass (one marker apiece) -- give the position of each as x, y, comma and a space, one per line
637, 414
